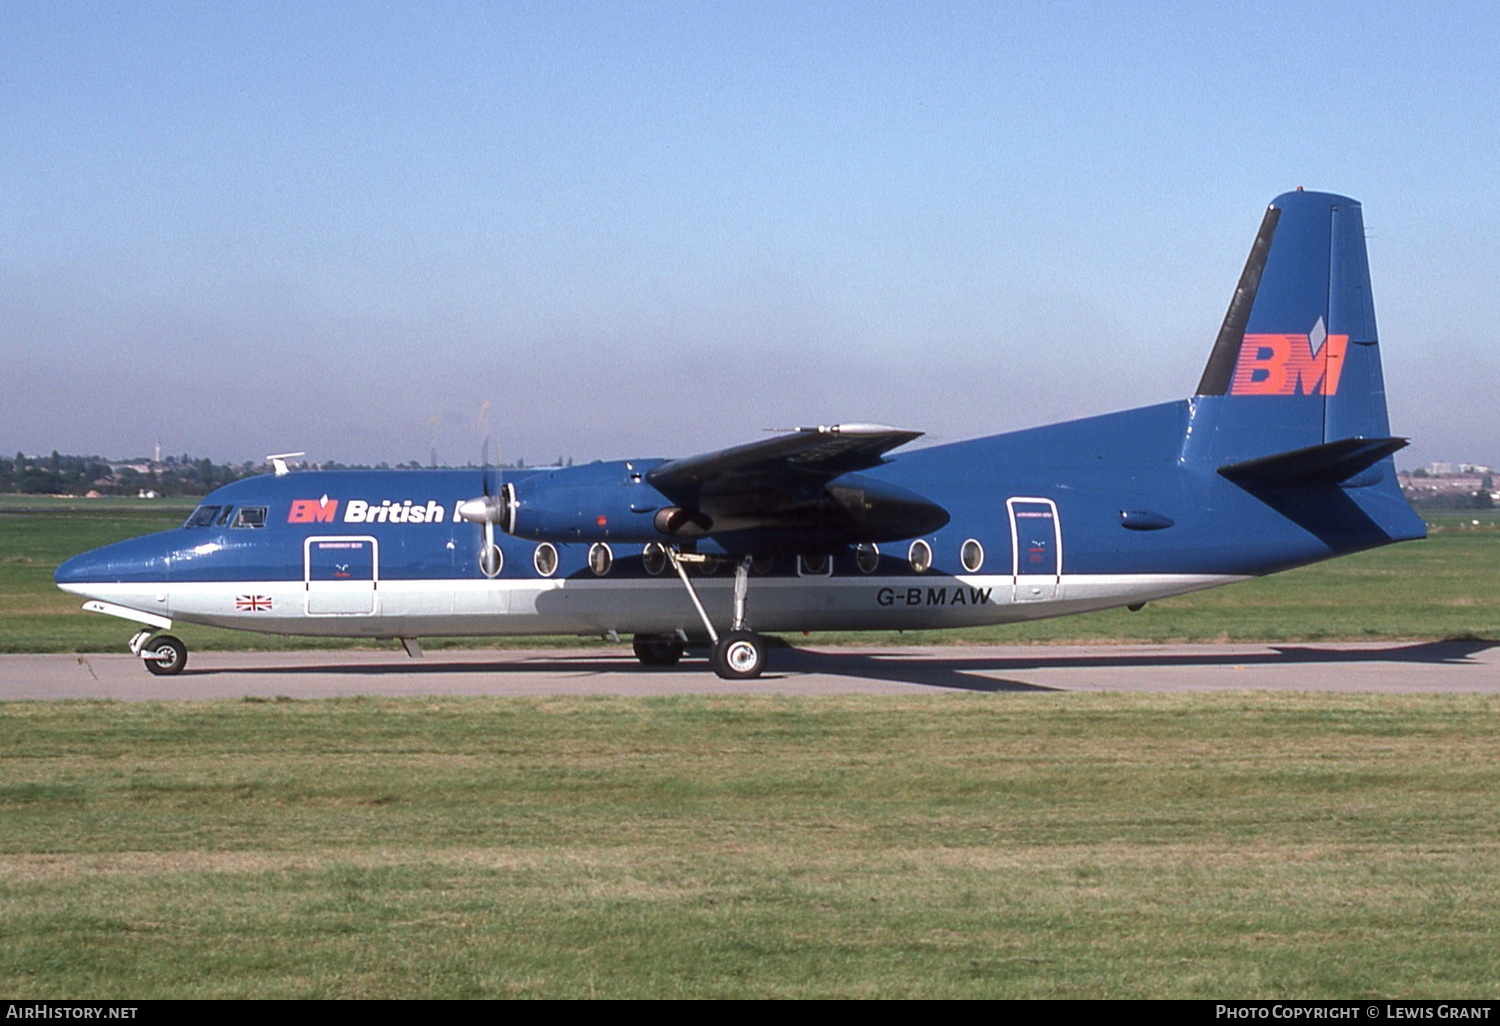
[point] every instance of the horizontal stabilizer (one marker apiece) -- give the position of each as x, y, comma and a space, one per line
1326, 464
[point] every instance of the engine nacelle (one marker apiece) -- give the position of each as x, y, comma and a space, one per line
599, 502
883, 512
613, 502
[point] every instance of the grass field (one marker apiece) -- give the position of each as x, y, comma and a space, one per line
936, 846
1447, 586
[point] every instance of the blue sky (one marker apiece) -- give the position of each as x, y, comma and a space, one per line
654, 229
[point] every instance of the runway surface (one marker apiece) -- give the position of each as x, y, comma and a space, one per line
1414, 667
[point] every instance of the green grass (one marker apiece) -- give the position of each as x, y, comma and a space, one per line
1447, 586
935, 846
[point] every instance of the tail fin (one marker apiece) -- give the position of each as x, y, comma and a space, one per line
1297, 361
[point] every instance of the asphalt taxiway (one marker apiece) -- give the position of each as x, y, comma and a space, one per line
1408, 667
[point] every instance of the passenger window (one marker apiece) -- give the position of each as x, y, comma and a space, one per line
600, 558
545, 559
814, 566
920, 555
654, 558
251, 516
972, 555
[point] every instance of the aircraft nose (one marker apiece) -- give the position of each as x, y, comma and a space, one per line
82, 569
139, 559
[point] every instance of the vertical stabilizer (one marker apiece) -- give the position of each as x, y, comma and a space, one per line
1297, 362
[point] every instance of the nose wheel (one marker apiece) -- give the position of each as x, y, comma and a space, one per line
164, 655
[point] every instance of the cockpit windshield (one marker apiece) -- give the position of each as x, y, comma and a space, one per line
203, 516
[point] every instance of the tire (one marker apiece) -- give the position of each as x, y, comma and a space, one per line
171, 655
740, 655
657, 649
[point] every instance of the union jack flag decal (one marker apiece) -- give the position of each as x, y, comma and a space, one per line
253, 603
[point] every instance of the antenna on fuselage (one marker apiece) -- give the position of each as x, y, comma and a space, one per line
278, 462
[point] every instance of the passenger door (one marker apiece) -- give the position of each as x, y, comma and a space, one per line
1036, 549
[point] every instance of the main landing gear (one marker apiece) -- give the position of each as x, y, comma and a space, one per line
738, 655
164, 654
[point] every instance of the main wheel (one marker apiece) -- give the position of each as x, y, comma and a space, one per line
740, 655
657, 649
165, 655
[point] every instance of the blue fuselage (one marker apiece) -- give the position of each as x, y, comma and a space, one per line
1107, 511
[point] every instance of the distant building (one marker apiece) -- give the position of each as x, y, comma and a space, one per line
1437, 487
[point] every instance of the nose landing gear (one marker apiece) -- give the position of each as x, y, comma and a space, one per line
164, 654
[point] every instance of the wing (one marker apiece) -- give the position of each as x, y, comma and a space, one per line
808, 457
799, 490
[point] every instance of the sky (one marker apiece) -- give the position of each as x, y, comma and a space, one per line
376, 232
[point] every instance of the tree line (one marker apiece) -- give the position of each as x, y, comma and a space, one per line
58, 474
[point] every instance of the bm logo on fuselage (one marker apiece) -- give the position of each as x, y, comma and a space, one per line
312, 511
358, 511
1290, 364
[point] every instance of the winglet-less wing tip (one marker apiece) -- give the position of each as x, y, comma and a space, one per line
858, 429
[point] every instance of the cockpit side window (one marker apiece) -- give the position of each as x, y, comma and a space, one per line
224, 516
251, 516
203, 516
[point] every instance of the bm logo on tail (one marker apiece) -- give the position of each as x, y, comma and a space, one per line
1290, 364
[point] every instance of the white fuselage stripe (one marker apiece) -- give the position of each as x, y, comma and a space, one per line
635, 605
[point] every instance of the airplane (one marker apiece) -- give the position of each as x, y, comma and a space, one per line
1282, 457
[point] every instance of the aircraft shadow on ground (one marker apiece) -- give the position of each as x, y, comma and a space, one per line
1427, 652
788, 663
958, 671
963, 670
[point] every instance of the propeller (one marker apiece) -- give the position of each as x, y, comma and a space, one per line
489, 508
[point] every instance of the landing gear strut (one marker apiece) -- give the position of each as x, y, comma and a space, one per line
740, 654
